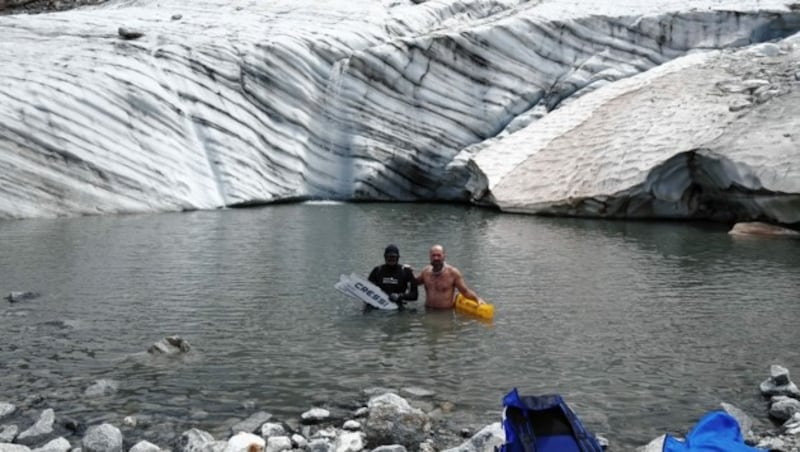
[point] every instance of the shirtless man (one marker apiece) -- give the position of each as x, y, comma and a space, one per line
441, 280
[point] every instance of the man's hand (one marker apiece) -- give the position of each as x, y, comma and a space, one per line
396, 298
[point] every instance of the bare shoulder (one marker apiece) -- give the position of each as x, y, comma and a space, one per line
453, 270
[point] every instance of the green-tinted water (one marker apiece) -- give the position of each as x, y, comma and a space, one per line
643, 327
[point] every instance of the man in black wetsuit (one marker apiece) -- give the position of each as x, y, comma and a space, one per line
395, 279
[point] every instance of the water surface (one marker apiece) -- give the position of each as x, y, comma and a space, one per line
643, 327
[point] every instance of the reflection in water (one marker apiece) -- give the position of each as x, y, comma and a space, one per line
642, 326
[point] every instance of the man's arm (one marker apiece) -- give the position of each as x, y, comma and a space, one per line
462, 287
419, 279
413, 293
373, 276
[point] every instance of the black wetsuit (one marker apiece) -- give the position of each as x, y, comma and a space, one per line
397, 279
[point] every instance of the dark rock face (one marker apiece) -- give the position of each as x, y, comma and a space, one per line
41, 6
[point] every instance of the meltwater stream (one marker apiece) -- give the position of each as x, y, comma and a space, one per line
643, 327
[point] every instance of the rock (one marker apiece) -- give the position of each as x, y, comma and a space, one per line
783, 407
792, 426
315, 415
102, 438
57, 445
758, 228
771, 443
14, 297
416, 392
656, 445
739, 105
279, 443
42, 427
299, 442
101, 387
170, 345
392, 420
6, 409
128, 34
194, 440
352, 425
245, 442
73, 425
270, 429
779, 383
318, 445
8, 433
14, 448
252, 423
349, 442
145, 446
490, 437
177, 16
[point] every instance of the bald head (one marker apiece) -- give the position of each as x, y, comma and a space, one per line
437, 257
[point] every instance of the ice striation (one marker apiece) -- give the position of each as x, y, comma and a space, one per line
627, 108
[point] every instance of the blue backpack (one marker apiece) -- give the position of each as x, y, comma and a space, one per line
543, 424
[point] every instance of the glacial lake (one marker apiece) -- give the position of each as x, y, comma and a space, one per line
642, 326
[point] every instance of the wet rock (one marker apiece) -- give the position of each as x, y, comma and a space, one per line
315, 415
193, 440
101, 387
252, 423
758, 228
783, 407
8, 433
656, 445
73, 425
350, 442
42, 427
129, 34
739, 105
299, 442
318, 445
170, 345
6, 409
102, 438
779, 383
393, 448
392, 420
270, 429
245, 442
15, 297
145, 446
352, 425
279, 443
57, 445
14, 448
490, 437
416, 392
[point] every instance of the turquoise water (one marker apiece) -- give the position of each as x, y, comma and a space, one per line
643, 327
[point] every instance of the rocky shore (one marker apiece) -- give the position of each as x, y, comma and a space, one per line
386, 420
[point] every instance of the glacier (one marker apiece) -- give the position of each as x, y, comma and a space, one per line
624, 109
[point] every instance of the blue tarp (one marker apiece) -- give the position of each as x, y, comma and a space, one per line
717, 431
